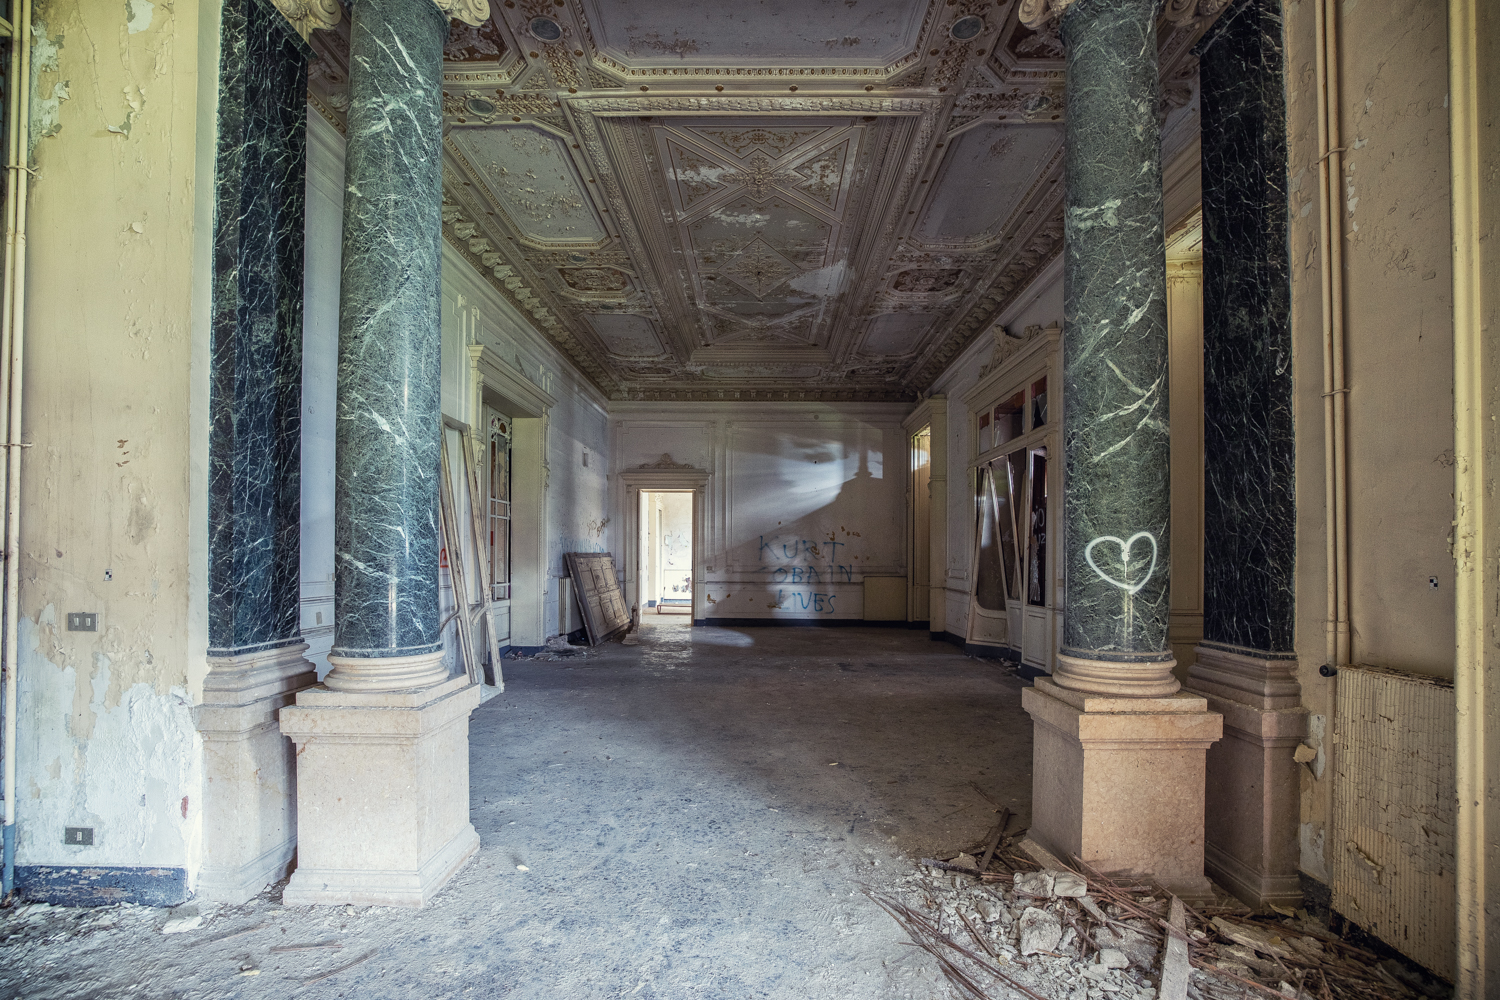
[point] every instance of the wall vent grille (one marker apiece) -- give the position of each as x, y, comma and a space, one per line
1392, 850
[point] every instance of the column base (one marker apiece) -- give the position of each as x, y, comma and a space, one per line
1118, 782
383, 793
1253, 795
249, 771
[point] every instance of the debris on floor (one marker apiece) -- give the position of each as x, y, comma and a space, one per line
558, 648
1016, 928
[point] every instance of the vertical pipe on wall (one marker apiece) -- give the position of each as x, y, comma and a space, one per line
1330, 171
19, 154
1471, 549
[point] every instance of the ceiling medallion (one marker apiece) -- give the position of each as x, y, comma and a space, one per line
759, 268
545, 29
480, 106
759, 176
966, 28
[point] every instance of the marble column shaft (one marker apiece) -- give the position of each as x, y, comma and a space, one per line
1117, 498
1250, 502
389, 420
1246, 666
255, 394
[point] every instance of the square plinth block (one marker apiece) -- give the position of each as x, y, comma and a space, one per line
1118, 782
382, 793
249, 770
1254, 795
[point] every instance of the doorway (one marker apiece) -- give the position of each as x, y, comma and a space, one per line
666, 552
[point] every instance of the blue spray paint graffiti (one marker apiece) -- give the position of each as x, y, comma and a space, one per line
807, 562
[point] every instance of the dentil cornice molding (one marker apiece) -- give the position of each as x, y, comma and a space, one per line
308, 16
1035, 13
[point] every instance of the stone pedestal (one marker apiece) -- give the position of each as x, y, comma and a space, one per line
383, 793
249, 771
1118, 781
1252, 804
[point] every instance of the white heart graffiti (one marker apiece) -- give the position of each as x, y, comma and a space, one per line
1125, 544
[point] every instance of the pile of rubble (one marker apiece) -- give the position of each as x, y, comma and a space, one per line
1012, 927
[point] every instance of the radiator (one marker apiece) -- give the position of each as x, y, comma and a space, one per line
1392, 844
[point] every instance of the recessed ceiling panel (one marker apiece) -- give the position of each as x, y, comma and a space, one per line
532, 178
760, 215
670, 33
627, 336
895, 333
987, 173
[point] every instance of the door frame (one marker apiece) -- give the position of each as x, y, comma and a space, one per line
662, 476
500, 384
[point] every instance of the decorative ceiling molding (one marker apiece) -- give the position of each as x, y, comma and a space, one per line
685, 222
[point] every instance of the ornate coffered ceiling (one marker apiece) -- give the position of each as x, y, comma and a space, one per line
796, 198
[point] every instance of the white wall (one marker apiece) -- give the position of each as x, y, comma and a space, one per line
577, 519
320, 356
805, 499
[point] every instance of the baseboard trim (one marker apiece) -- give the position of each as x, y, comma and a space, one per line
101, 885
805, 623
364, 887
1251, 887
237, 885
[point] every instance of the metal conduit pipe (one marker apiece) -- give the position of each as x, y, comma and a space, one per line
13, 341
1335, 389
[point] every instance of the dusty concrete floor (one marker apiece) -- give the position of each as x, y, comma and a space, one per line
696, 816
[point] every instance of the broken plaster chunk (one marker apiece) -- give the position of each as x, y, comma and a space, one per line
1038, 884
1113, 958
1068, 884
990, 911
1304, 754
967, 861
182, 920
1041, 930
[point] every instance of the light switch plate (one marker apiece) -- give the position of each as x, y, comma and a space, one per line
78, 836
83, 621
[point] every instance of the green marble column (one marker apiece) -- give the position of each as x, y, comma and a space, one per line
388, 441
1117, 497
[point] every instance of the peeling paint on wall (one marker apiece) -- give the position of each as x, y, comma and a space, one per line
135, 99
138, 15
46, 96
91, 754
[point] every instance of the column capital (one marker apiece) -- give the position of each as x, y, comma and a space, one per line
307, 16
476, 12
1035, 13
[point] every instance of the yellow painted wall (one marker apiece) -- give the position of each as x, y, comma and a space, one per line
114, 516
1399, 343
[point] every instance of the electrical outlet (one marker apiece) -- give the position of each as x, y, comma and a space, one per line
83, 621
78, 836
1432, 582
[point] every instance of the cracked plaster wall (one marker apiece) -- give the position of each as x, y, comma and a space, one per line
114, 483
1399, 356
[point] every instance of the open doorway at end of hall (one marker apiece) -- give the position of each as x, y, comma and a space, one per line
666, 553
